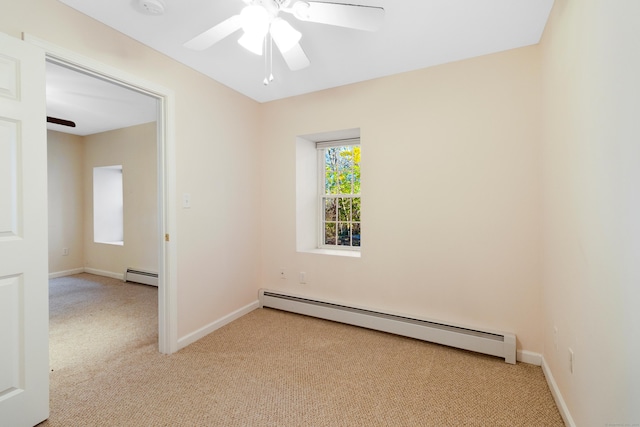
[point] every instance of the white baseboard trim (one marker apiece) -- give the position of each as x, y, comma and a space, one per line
529, 357
71, 272
206, 330
557, 396
119, 276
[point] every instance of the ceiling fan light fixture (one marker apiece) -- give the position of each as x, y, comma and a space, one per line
252, 42
285, 36
255, 20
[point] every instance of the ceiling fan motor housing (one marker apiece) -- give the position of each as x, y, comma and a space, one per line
271, 6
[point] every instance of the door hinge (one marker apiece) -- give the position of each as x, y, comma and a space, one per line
166, 237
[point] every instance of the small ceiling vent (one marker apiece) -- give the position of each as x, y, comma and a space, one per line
149, 7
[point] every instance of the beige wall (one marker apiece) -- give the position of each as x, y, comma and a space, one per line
518, 185
71, 160
65, 154
135, 148
216, 159
591, 254
450, 198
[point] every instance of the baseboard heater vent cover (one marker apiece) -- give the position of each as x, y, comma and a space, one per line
141, 276
500, 344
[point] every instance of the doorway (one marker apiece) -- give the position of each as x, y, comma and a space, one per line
165, 100
102, 185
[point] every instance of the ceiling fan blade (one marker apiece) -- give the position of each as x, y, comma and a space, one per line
366, 18
62, 122
295, 58
215, 34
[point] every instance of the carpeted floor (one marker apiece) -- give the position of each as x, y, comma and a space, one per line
268, 368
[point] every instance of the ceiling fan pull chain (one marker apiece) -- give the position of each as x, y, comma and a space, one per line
266, 53
270, 58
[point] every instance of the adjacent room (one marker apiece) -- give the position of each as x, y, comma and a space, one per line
464, 168
102, 185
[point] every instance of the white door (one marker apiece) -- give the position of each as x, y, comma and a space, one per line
24, 295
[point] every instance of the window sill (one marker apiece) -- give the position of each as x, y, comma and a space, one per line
112, 243
334, 252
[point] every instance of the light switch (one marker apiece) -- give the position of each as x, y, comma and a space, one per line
186, 200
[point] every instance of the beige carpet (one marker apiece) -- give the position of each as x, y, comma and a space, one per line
269, 368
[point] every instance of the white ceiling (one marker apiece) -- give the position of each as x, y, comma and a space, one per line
415, 34
94, 105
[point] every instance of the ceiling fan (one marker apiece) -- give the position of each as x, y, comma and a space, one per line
261, 23
61, 122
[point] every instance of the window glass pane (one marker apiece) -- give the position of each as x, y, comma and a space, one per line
356, 208
344, 209
330, 233
356, 169
330, 183
355, 230
329, 209
344, 170
341, 215
344, 234
331, 170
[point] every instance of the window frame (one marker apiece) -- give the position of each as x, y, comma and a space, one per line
321, 147
108, 205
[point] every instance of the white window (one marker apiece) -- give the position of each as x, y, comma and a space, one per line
328, 193
108, 205
339, 194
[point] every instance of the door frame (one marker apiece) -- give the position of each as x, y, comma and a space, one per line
167, 263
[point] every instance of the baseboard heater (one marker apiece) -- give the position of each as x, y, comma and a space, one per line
494, 343
141, 276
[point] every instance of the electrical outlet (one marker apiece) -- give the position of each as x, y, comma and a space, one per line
572, 360
65, 251
555, 338
282, 275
